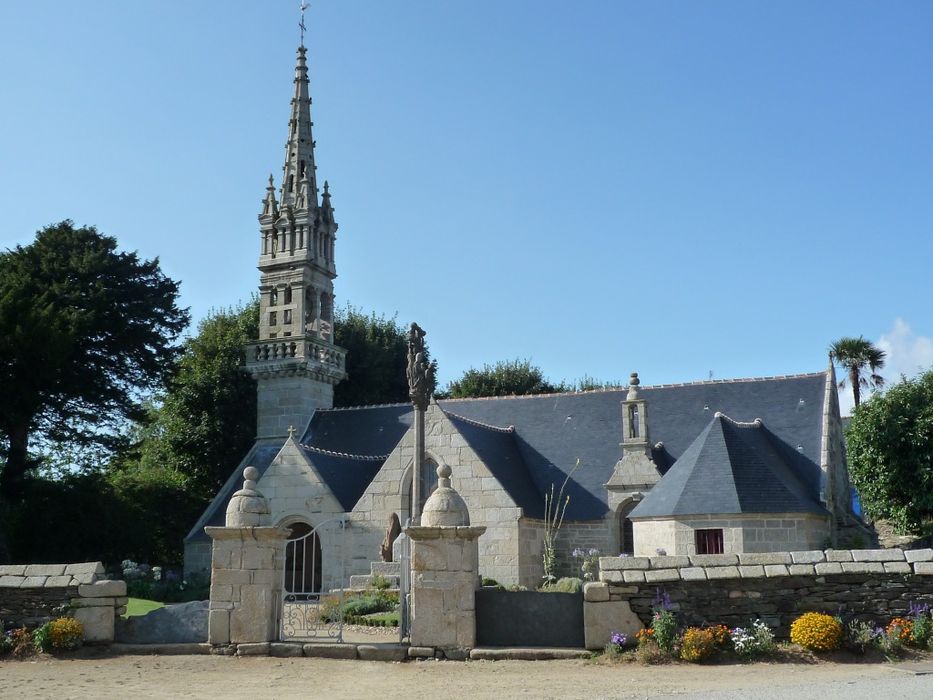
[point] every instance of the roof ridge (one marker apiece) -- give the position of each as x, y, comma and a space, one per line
365, 405
345, 455
699, 382
471, 421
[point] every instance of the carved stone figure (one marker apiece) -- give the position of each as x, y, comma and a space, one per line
420, 371
393, 530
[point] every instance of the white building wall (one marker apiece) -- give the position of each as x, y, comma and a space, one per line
770, 532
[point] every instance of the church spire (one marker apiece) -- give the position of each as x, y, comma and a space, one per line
299, 150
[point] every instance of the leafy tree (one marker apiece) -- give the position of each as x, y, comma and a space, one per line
890, 447
855, 355
207, 419
84, 332
505, 378
377, 355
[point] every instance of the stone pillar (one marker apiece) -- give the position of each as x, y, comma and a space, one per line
417, 466
247, 564
444, 571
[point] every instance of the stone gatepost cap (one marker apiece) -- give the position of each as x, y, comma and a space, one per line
445, 507
248, 507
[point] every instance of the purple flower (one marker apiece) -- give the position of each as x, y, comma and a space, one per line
918, 609
619, 639
577, 552
662, 601
593, 552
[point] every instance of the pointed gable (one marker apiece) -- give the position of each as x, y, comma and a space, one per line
732, 468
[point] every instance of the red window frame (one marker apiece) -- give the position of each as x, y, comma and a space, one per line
709, 541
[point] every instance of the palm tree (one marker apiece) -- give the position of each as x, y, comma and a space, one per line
854, 355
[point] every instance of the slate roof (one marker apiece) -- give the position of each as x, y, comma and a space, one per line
550, 432
734, 468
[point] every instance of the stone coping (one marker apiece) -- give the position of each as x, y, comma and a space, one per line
702, 567
248, 534
50, 575
461, 532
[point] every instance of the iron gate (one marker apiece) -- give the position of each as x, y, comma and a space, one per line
313, 582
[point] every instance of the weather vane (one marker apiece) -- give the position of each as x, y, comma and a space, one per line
301, 25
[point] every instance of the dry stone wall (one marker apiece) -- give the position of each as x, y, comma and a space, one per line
733, 589
32, 594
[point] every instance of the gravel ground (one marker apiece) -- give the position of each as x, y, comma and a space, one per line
99, 676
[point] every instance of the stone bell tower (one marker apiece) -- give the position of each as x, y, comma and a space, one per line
295, 361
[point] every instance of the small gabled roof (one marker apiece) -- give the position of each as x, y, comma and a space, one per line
497, 448
733, 468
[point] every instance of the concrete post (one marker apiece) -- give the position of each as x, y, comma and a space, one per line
444, 579
444, 571
247, 564
246, 584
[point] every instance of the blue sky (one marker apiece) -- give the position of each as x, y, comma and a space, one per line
672, 188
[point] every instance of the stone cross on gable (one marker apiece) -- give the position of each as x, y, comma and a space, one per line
291, 432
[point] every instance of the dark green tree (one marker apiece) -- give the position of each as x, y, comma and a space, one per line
207, 419
855, 356
377, 355
890, 449
505, 378
85, 332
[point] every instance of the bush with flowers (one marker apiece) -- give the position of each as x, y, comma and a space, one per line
816, 631
697, 644
66, 633
754, 641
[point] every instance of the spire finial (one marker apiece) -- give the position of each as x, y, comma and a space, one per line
271, 182
301, 24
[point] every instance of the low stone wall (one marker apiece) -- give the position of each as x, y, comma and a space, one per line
733, 589
32, 594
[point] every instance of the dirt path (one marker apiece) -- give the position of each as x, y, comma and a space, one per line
261, 677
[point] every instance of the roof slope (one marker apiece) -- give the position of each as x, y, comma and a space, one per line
498, 449
552, 431
732, 468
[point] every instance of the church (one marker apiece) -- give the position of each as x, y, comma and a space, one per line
724, 466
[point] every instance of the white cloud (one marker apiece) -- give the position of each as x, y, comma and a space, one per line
908, 354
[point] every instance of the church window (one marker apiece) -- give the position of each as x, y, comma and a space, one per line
301, 170
633, 427
273, 297
287, 316
709, 541
272, 318
626, 531
288, 295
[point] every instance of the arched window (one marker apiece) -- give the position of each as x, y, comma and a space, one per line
626, 537
302, 560
288, 295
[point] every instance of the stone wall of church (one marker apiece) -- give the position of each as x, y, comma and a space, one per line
489, 504
770, 532
296, 494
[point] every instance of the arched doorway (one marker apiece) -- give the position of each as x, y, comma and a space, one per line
302, 559
626, 534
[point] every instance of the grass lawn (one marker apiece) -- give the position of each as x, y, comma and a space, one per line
141, 606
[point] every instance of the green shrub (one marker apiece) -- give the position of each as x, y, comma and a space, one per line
42, 637
380, 583
664, 624
490, 582
367, 604
6, 645
564, 585
860, 636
